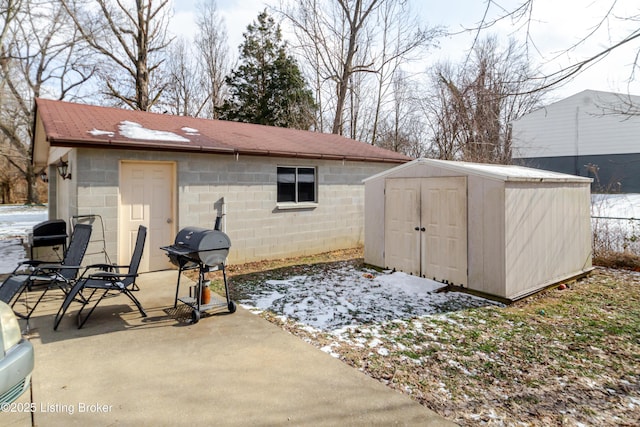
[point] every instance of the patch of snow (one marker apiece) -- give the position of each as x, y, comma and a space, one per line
13, 252
287, 282
329, 349
268, 300
135, 130
408, 283
16, 222
345, 297
374, 342
97, 132
616, 205
190, 131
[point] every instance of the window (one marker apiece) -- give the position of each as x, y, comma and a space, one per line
296, 184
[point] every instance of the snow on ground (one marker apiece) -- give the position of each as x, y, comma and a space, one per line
616, 205
617, 227
343, 297
16, 222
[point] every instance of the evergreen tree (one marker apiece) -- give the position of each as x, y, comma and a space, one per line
267, 87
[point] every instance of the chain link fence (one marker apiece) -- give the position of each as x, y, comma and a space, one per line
615, 235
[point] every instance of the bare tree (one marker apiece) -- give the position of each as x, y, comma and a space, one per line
130, 37
472, 105
523, 16
212, 45
332, 32
39, 56
184, 96
438, 111
398, 43
401, 129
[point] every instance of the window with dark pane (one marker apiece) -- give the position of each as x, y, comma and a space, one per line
306, 185
296, 184
286, 184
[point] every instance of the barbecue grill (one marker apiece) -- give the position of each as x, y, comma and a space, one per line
49, 233
205, 250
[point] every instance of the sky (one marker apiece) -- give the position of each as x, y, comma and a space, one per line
557, 25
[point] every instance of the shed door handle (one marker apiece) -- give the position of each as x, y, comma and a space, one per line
417, 228
422, 229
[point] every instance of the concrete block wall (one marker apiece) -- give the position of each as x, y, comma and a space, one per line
95, 177
258, 227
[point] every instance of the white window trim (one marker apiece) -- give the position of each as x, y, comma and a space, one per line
293, 205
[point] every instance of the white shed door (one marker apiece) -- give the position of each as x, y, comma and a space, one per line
444, 220
146, 198
426, 227
402, 216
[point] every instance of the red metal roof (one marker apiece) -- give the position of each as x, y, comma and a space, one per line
78, 125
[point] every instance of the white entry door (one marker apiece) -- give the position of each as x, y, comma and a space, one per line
146, 198
426, 227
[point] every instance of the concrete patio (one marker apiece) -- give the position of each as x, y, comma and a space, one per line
228, 369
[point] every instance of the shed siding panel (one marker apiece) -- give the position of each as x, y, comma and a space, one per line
548, 234
486, 235
374, 219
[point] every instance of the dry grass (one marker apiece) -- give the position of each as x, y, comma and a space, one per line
561, 357
617, 260
616, 243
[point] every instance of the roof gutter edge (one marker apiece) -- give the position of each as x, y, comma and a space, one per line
134, 145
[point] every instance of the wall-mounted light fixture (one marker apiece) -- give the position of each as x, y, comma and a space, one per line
43, 176
63, 169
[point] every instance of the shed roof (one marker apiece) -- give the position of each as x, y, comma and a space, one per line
491, 171
66, 124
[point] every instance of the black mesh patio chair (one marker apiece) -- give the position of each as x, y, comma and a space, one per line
110, 281
33, 274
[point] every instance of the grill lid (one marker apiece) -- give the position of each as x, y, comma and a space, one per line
197, 239
199, 245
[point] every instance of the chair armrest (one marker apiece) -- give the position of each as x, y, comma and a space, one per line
55, 267
104, 267
32, 262
26, 265
107, 275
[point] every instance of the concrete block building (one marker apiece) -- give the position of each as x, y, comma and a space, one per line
280, 192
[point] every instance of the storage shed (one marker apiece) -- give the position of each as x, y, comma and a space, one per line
505, 231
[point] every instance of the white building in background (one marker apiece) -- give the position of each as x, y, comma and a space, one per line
593, 134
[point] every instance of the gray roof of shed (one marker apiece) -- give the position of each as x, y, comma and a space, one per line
491, 171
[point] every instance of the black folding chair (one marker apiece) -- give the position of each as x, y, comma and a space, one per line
109, 281
33, 274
